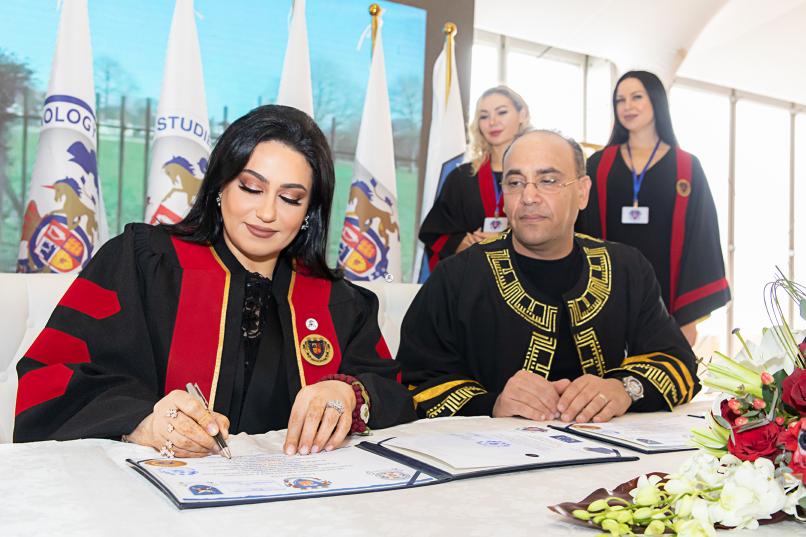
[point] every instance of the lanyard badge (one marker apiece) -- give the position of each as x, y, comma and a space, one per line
637, 214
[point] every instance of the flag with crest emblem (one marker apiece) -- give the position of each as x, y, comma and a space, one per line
370, 238
65, 222
181, 129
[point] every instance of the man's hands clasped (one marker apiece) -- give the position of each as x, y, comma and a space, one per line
586, 399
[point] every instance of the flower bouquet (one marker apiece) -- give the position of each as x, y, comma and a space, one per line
751, 463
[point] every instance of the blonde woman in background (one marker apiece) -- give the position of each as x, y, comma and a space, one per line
469, 206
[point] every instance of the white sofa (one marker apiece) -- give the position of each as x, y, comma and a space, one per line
29, 299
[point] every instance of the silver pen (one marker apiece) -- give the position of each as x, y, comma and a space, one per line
193, 389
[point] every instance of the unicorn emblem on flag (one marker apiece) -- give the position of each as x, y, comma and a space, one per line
68, 192
370, 223
61, 240
366, 211
183, 177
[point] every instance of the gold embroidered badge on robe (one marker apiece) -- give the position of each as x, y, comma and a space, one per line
683, 187
316, 349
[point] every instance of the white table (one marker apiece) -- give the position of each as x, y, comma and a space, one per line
83, 488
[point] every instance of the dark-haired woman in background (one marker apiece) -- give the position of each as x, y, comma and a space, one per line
649, 193
238, 298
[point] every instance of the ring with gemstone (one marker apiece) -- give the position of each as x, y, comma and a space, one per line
171, 428
167, 450
172, 413
336, 405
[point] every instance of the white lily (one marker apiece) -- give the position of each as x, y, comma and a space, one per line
769, 355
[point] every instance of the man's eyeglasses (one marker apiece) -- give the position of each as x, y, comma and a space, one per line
546, 185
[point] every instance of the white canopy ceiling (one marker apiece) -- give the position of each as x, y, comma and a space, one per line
750, 45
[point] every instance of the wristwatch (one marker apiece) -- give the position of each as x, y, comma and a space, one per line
633, 387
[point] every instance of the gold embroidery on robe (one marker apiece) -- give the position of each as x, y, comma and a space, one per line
590, 352
455, 401
540, 354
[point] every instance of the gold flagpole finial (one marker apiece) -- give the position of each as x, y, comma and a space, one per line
450, 33
375, 11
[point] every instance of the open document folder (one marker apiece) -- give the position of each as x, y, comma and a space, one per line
669, 432
391, 463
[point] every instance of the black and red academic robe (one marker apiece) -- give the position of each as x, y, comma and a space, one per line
152, 312
681, 239
478, 320
465, 201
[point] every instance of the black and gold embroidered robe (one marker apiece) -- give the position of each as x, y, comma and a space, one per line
477, 321
152, 312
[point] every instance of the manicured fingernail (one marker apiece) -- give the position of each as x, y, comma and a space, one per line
566, 417
303, 450
315, 449
212, 428
290, 449
542, 418
329, 447
561, 407
556, 415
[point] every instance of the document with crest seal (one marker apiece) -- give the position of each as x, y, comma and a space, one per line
370, 466
263, 477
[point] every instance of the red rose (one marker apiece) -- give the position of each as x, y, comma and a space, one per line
794, 391
789, 435
798, 462
755, 443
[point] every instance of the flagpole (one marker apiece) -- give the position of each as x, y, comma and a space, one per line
450, 34
375, 11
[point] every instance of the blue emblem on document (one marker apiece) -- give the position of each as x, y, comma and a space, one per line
567, 439
306, 483
493, 443
203, 490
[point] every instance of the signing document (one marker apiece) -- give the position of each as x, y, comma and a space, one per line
385, 463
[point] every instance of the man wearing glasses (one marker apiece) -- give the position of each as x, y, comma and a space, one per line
539, 322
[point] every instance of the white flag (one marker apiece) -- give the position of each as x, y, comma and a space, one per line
370, 239
295, 82
181, 131
65, 221
446, 141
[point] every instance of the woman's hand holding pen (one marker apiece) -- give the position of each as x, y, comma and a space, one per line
181, 424
316, 423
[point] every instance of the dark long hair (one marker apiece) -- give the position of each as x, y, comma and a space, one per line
660, 107
204, 224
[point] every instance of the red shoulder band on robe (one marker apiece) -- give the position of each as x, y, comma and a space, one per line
198, 337
678, 235
487, 190
317, 345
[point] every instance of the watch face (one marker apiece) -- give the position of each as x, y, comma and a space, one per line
634, 388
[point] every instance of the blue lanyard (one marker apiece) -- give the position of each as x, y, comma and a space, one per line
498, 193
638, 179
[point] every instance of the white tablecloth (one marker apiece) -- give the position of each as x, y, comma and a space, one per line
83, 488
